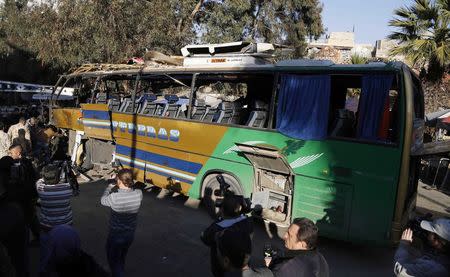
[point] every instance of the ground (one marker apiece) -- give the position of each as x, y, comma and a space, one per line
167, 238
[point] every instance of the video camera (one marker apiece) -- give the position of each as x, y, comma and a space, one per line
224, 191
67, 175
414, 225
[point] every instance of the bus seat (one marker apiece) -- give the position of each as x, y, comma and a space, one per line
172, 107
114, 104
160, 109
344, 124
257, 119
126, 105
100, 98
237, 113
148, 97
129, 107
148, 107
224, 112
210, 114
199, 109
258, 115
183, 102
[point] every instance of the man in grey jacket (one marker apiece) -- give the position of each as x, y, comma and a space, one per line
410, 261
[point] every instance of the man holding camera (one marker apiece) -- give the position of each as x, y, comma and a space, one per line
55, 196
233, 251
233, 218
301, 257
434, 260
17, 176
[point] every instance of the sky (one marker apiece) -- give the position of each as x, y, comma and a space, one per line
370, 17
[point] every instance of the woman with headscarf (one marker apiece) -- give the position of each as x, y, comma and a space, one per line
65, 257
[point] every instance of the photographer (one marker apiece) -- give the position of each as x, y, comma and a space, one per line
231, 209
17, 176
55, 205
434, 260
301, 257
124, 201
234, 249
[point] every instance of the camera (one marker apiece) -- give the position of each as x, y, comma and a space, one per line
68, 176
414, 225
224, 191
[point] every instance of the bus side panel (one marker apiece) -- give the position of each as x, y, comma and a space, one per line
171, 152
67, 118
97, 121
366, 174
325, 202
362, 177
166, 168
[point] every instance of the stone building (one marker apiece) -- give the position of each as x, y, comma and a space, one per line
340, 46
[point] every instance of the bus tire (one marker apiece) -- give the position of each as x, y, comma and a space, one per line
210, 185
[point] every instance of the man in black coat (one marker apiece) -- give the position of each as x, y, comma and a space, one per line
301, 257
13, 237
18, 178
232, 219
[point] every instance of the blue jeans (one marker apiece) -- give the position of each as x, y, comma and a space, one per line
116, 251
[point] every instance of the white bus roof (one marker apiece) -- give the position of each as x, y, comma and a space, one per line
240, 47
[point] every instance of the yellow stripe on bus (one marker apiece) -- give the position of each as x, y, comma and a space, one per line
194, 137
95, 107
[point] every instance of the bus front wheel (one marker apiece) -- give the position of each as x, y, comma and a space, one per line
211, 189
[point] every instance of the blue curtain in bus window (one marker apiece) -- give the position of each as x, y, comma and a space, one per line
303, 106
374, 91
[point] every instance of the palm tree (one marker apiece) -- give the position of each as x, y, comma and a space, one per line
358, 59
424, 35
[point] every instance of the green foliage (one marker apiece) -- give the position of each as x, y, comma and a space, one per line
277, 21
357, 59
67, 33
424, 33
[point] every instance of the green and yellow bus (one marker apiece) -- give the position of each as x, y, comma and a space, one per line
301, 138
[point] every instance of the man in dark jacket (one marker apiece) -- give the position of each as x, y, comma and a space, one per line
13, 235
232, 218
18, 178
433, 260
233, 250
301, 257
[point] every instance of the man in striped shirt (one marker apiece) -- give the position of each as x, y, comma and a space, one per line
55, 205
125, 202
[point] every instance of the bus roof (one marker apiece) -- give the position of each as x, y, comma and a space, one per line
285, 65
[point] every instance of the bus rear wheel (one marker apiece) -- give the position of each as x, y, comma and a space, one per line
211, 188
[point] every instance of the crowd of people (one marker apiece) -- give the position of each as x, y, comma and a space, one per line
25, 148
33, 172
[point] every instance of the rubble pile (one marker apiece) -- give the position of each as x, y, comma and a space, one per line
328, 53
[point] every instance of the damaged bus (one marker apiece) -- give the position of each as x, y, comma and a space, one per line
301, 138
